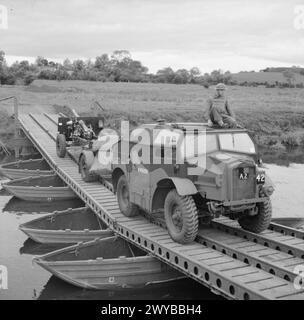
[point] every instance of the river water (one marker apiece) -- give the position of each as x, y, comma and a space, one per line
28, 281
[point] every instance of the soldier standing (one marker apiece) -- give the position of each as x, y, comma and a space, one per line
219, 109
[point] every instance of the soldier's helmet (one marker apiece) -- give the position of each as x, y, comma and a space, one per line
220, 86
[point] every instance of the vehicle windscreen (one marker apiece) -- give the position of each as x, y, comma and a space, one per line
237, 142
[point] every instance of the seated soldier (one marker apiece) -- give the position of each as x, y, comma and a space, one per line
219, 110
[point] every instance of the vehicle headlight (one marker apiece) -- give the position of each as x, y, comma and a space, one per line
268, 190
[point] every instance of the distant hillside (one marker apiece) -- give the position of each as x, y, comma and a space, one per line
282, 69
262, 77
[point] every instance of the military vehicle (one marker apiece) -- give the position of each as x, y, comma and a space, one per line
230, 182
76, 131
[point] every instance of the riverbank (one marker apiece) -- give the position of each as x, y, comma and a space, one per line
274, 116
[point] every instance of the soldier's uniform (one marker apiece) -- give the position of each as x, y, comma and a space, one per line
219, 110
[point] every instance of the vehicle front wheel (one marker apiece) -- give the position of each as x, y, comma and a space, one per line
85, 163
128, 208
260, 221
61, 145
181, 217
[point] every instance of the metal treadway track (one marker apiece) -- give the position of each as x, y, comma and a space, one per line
221, 259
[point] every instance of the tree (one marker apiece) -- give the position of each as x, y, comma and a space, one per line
217, 76
41, 62
182, 76
195, 73
123, 68
120, 55
165, 75
67, 65
28, 79
2, 58
61, 73
227, 77
78, 65
102, 63
3, 75
2, 62
53, 64
289, 76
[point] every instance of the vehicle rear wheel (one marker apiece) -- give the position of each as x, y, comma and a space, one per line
85, 163
260, 221
181, 217
61, 145
128, 208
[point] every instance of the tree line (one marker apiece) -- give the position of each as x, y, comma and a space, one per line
117, 67
121, 67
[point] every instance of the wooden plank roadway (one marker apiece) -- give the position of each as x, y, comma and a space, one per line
222, 273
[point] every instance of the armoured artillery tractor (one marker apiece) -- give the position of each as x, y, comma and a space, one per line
220, 176
189, 172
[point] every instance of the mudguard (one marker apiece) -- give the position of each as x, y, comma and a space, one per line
268, 181
184, 187
89, 157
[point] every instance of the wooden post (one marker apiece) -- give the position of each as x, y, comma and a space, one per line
16, 115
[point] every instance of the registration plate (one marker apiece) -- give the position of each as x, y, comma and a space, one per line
260, 179
243, 173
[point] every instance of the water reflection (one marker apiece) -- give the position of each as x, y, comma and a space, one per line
34, 248
179, 290
282, 157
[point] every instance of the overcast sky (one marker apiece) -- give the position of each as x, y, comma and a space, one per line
227, 34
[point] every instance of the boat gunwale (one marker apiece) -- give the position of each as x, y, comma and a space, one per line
54, 213
96, 261
27, 170
12, 187
13, 182
61, 231
6, 165
41, 259
69, 235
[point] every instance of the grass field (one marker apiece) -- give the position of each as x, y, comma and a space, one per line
274, 115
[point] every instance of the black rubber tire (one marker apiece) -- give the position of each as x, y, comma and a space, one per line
128, 208
189, 214
259, 222
85, 163
61, 145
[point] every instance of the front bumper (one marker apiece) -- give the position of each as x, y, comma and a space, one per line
243, 202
